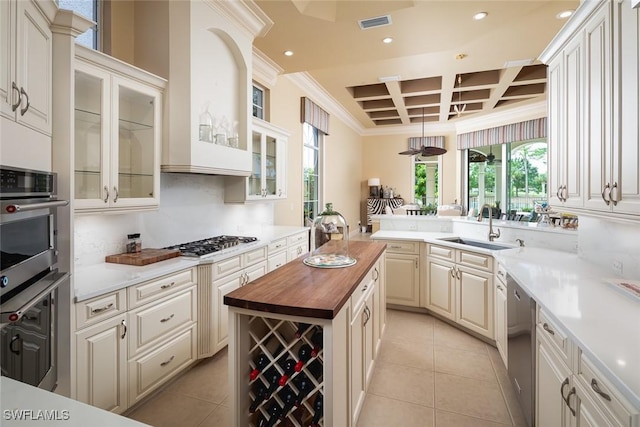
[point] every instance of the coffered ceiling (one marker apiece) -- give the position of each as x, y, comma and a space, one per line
440, 57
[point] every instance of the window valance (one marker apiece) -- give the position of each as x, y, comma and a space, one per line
522, 131
426, 141
311, 113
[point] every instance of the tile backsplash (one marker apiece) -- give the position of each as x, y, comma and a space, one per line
191, 207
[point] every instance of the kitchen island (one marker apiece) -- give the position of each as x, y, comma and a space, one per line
337, 313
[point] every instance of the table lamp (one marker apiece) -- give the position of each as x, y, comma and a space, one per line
374, 188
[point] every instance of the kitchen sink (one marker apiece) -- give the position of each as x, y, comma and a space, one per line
476, 243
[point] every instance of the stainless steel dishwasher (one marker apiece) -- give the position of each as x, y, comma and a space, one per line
521, 344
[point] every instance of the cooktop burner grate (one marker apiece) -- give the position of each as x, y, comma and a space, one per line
210, 245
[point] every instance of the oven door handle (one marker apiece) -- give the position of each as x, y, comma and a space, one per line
14, 208
20, 304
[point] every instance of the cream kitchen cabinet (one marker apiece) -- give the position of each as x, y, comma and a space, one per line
268, 170
361, 351
297, 245
501, 313
26, 63
460, 287
131, 341
101, 364
402, 269
570, 390
594, 109
229, 275
277, 252
118, 123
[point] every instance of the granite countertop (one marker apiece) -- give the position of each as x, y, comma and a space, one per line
25, 405
99, 279
300, 290
602, 320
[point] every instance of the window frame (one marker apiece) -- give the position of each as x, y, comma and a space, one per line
263, 108
318, 146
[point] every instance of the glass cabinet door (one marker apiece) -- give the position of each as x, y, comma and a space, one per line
91, 138
271, 166
255, 179
134, 153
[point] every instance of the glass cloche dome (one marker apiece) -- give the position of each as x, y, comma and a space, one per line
329, 241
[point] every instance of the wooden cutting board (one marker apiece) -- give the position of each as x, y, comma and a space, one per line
147, 256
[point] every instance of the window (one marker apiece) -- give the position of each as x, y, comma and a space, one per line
258, 101
510, 177
311, 173
425, 182
88, 8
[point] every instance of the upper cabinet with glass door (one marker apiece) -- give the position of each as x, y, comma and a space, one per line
268, 171
117, 134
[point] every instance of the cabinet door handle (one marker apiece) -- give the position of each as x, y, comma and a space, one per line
604, 190
168, 361
25, 109
458, 273
564, 384
546, 327
565, 193
166, 319
516, 294
596, 388
377, 274
14, 107
568, 401
558, 193
452, 272
279, 192
101, 309
14, 339
614, 199
124, 325
115, 189
167, 286
106, 197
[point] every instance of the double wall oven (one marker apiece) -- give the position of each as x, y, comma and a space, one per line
29, 280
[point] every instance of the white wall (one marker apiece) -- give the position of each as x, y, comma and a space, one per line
191, 208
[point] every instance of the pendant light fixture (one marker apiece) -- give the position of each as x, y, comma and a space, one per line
460, 107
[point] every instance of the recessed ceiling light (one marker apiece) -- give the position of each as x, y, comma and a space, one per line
288, 53
387, 40
564, 14
480, 15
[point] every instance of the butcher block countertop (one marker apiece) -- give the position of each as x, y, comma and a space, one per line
299, 290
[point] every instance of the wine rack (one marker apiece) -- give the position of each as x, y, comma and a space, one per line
277, 340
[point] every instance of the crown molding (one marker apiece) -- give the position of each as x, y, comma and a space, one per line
264, 69
530, 111
321, 97
69, 22
246, 15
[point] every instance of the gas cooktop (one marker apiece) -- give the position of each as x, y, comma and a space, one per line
208, 246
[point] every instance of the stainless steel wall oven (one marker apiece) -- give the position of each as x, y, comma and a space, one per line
29, 280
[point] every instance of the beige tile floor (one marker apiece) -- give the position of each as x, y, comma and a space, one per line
427, 374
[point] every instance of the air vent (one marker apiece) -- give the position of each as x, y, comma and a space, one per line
379, 21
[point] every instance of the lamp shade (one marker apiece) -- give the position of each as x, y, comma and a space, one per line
373, 182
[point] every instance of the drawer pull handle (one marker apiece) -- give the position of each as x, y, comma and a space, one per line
500, 288
500, 273
101, 309
596, 388
167, 286
546, 327
166, 319
395, 247
168, 361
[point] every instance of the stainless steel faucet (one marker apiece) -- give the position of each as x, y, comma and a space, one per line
492, 235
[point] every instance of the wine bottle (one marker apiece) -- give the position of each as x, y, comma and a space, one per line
317, 341
288, 398
261, 395
302, 327
304, 386
262, 421
261, 362
289, 368
304, 354
274, 414
317, 408
273, 377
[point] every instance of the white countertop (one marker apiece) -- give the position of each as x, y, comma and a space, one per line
37, 407
601, 320
98, 279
